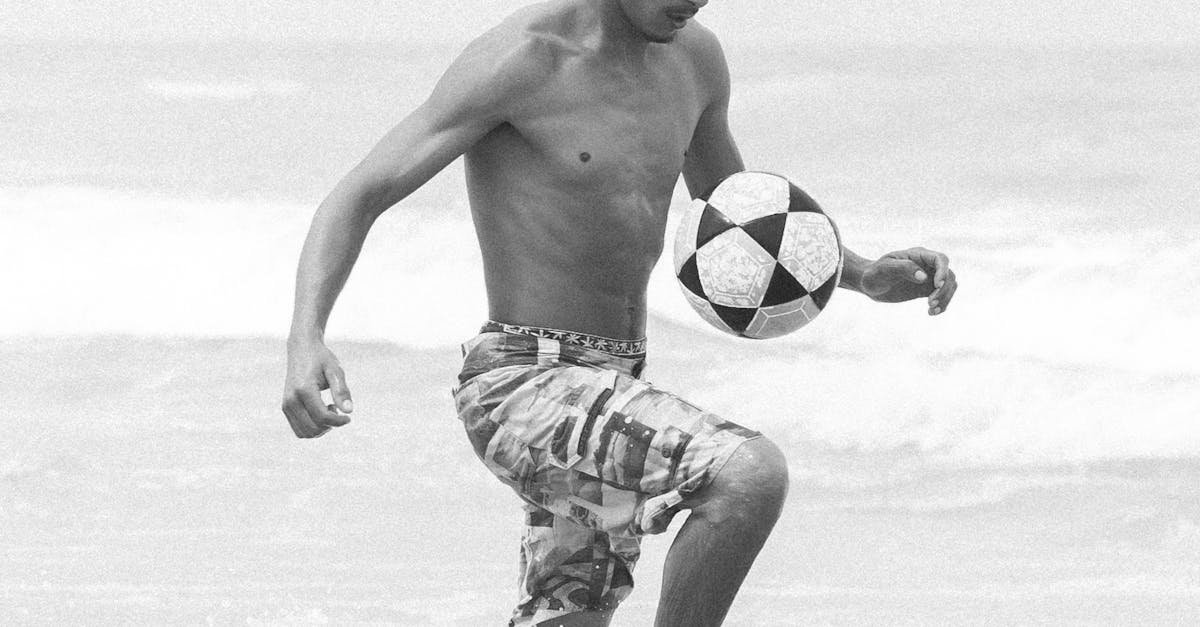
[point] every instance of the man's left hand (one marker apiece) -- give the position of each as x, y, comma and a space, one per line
908, 274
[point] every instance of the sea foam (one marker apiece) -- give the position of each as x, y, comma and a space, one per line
110, 261
1061, 346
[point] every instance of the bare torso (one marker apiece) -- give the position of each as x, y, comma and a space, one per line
570, 194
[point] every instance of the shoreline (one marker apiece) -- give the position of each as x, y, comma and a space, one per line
153, 480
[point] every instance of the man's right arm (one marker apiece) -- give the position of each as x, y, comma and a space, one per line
472, 97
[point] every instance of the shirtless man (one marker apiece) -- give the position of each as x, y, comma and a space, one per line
576, 118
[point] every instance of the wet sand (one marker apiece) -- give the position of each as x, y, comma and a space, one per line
154, 481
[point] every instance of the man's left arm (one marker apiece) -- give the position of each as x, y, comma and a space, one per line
902, 275
713, 155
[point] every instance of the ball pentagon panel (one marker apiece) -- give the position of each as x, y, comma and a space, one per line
810, 249
734, 269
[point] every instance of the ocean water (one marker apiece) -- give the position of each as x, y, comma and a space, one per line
1029, 457
165, 189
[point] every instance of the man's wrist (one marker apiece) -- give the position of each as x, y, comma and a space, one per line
851, 282
854, 267
299, 337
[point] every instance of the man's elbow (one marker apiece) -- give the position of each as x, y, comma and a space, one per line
367, 194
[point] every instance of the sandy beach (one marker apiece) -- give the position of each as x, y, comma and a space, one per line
154, 481
1032, 457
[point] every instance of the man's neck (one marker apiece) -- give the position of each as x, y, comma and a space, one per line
618, 37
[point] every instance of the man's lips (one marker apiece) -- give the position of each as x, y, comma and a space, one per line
681, 13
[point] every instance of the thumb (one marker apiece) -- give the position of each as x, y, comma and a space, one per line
338, 420
338, 388
911, 271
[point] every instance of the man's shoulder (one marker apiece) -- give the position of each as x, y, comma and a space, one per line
705, 55
502, 67
523, 48
547, 24
701, 44
534, 33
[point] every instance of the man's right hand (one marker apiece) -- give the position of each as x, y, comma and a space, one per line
312, 368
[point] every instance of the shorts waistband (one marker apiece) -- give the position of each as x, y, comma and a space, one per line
495, 347
629, 349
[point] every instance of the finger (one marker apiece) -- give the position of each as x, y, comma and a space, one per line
302, 425
951, 289
930, 260
337, 386
947, 293
923, 257
319, 412
323, 429
941, 266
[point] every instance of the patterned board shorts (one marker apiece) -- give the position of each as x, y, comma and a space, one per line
598, 456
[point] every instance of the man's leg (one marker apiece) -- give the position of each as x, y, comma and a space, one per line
598, 618
730, 520
571, 575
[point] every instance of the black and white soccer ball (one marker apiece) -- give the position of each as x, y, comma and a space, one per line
756, 257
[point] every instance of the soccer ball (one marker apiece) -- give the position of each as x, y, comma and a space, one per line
756, 257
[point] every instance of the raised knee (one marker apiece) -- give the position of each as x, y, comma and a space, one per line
754, 481
764, 466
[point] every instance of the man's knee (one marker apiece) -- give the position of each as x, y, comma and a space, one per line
591, 618
753, 482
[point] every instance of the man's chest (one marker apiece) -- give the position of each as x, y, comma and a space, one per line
613, 131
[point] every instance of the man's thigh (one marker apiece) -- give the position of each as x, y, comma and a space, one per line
603, 449
586, 618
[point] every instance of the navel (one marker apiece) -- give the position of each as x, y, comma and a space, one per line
585, 156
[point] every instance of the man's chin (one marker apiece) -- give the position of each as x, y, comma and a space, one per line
659, 38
